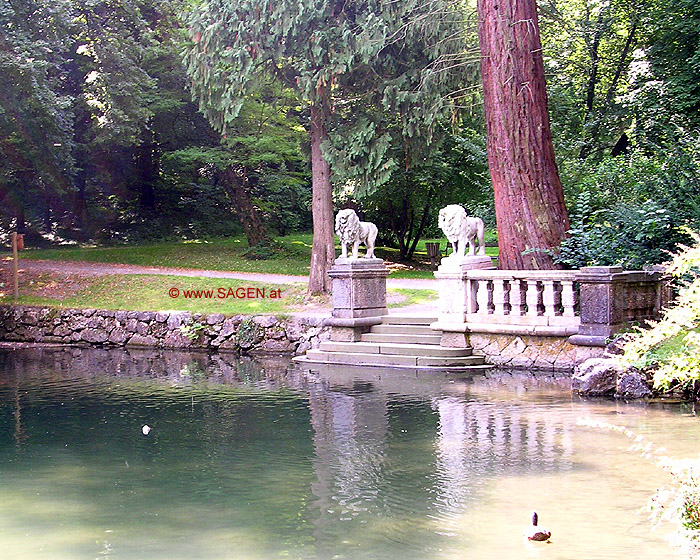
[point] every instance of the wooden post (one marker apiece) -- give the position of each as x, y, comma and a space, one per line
15, 264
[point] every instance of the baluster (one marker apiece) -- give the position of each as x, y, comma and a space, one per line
548, 298
472, 288
482, 297
516, 298
532, 298
568, 298
499, 297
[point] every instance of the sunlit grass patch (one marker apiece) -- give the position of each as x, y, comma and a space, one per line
153, 293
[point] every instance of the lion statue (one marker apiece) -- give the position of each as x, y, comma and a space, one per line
352, 231
460, 229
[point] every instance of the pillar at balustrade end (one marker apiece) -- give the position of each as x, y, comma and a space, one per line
611, 298
359, 297
455, 298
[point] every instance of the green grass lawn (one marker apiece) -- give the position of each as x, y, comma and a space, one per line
292, 255
153, 293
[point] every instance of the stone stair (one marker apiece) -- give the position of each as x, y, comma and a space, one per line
399, 341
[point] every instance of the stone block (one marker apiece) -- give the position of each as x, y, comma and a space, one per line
275, 346
596, 377
265, 321
118, 336
215, 318
632, 385
454, 340
94, 336
140, 340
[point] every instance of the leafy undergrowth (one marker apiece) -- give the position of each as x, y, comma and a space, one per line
671, 347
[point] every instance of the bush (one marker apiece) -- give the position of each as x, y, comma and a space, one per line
672, 346
629, 235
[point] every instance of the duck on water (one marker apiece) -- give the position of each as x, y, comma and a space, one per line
536, 533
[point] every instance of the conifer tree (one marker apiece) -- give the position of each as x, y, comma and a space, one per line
394, 56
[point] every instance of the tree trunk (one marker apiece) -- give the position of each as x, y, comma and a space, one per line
236, 182
323, 247
530, 210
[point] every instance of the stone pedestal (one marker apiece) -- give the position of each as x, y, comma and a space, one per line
359, 297
455, 298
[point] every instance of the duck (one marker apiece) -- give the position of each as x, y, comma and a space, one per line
536, 533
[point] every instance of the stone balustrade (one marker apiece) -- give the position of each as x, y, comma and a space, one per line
587, 305
544, 299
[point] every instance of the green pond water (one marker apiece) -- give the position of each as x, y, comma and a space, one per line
262, 460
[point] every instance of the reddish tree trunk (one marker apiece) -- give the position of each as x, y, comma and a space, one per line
323, 248
530, 210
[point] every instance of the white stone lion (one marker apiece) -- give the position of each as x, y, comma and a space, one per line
352, 231
460, 229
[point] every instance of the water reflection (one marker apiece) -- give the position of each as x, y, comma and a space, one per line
254, 459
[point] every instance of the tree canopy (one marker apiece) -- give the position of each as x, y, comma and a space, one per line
101, 140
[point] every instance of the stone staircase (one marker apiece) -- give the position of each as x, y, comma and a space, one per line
400, 341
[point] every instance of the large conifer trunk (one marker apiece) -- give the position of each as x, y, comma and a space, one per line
323, 248
530, 210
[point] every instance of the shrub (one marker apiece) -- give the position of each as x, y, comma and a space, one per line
672, 345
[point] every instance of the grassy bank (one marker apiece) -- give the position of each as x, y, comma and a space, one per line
159, 293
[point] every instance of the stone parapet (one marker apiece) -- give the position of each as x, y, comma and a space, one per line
163, 329
611, 298
588, 305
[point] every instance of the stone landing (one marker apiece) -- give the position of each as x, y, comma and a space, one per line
399, 341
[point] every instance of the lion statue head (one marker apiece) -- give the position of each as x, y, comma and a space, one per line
347, 226
452, 220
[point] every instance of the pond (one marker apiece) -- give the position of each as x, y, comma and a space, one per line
261, 460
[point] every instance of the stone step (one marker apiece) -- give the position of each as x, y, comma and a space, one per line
322, 356
407, 320
402, 338
393, 328
426, 350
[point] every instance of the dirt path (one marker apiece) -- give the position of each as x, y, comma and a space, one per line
83, 268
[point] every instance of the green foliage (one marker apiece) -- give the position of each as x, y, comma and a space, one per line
589, 48
630, 210
628, 235
192, 331
387, 67
674, 52
260, 252
406, 208
672, 346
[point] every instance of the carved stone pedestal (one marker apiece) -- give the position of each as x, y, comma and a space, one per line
359, 297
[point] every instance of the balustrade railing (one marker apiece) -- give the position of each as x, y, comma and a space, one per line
591, 304
522, 297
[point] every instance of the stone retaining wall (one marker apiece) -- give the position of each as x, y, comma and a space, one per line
163, 329
554, 353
